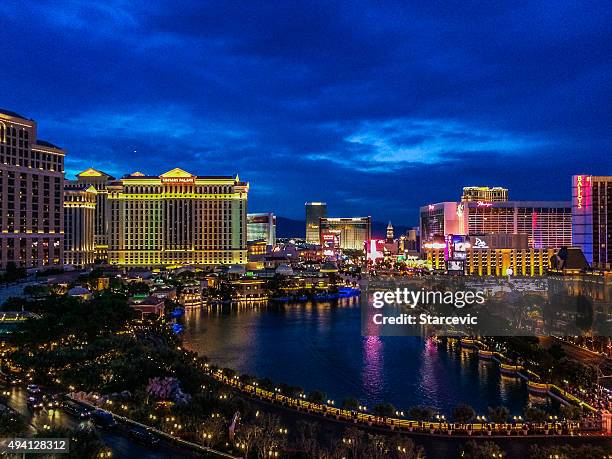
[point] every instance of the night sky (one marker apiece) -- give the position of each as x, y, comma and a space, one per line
376, 108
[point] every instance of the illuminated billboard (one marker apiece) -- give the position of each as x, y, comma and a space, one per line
374, 249
330, 243
456, 266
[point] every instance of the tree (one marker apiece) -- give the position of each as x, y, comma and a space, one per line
405, 448
499, 414
11, 424
13, 273
571, 412
307, 438
350, 403
85, 443
464, 413
566, 452
352, 444
270, 438
246, 437
484, 450
384, 409
212, 430
534, 414
276, 285
316, 396
556, 351
421, 413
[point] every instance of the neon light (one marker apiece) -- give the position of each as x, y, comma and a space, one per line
178, 180
434, 245
484, 204
579, 186
480, 244
431, 207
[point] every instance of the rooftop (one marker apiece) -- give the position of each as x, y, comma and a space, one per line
11, 113
44, 143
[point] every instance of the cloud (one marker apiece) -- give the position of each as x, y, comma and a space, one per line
373, 107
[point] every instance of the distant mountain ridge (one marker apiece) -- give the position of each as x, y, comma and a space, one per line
287, 227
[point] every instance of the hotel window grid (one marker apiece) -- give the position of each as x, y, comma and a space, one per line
31, 196
156, 223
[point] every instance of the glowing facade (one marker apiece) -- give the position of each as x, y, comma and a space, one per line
177, 219
353, 232
79, 224
438, 220
100, 181
484, 193
497, 262
314, 212
547, 224
592, 218
260, 227
31, 196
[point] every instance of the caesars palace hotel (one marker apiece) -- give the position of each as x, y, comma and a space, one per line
177, 219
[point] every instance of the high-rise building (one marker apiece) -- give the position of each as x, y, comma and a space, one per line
99, 180
592, 218
31, 196
547, 224
389, 233
439, 219
177, 218
353, 232
495, 262
484, 193
314, 212
79, 224
413, 240
261, 226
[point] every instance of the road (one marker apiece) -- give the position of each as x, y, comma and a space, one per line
122, 446
583, 355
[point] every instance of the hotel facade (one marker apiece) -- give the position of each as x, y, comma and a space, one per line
177, 218
547, 224
592, 218
262, 227
99, 181
351, 233
79, 224
484, 193
495, 262
31, 196
314, 212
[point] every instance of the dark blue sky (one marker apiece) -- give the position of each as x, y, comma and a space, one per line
375, 107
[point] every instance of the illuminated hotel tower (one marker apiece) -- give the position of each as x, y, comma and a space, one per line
592, 218
99, 180
389, 233
31, 196
484, 193
79, 224
177, 219
314, 212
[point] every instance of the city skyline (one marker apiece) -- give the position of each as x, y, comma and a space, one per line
344, 95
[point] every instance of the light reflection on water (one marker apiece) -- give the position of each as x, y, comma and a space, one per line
319, 346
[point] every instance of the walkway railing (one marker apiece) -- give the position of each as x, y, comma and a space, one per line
431, 427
